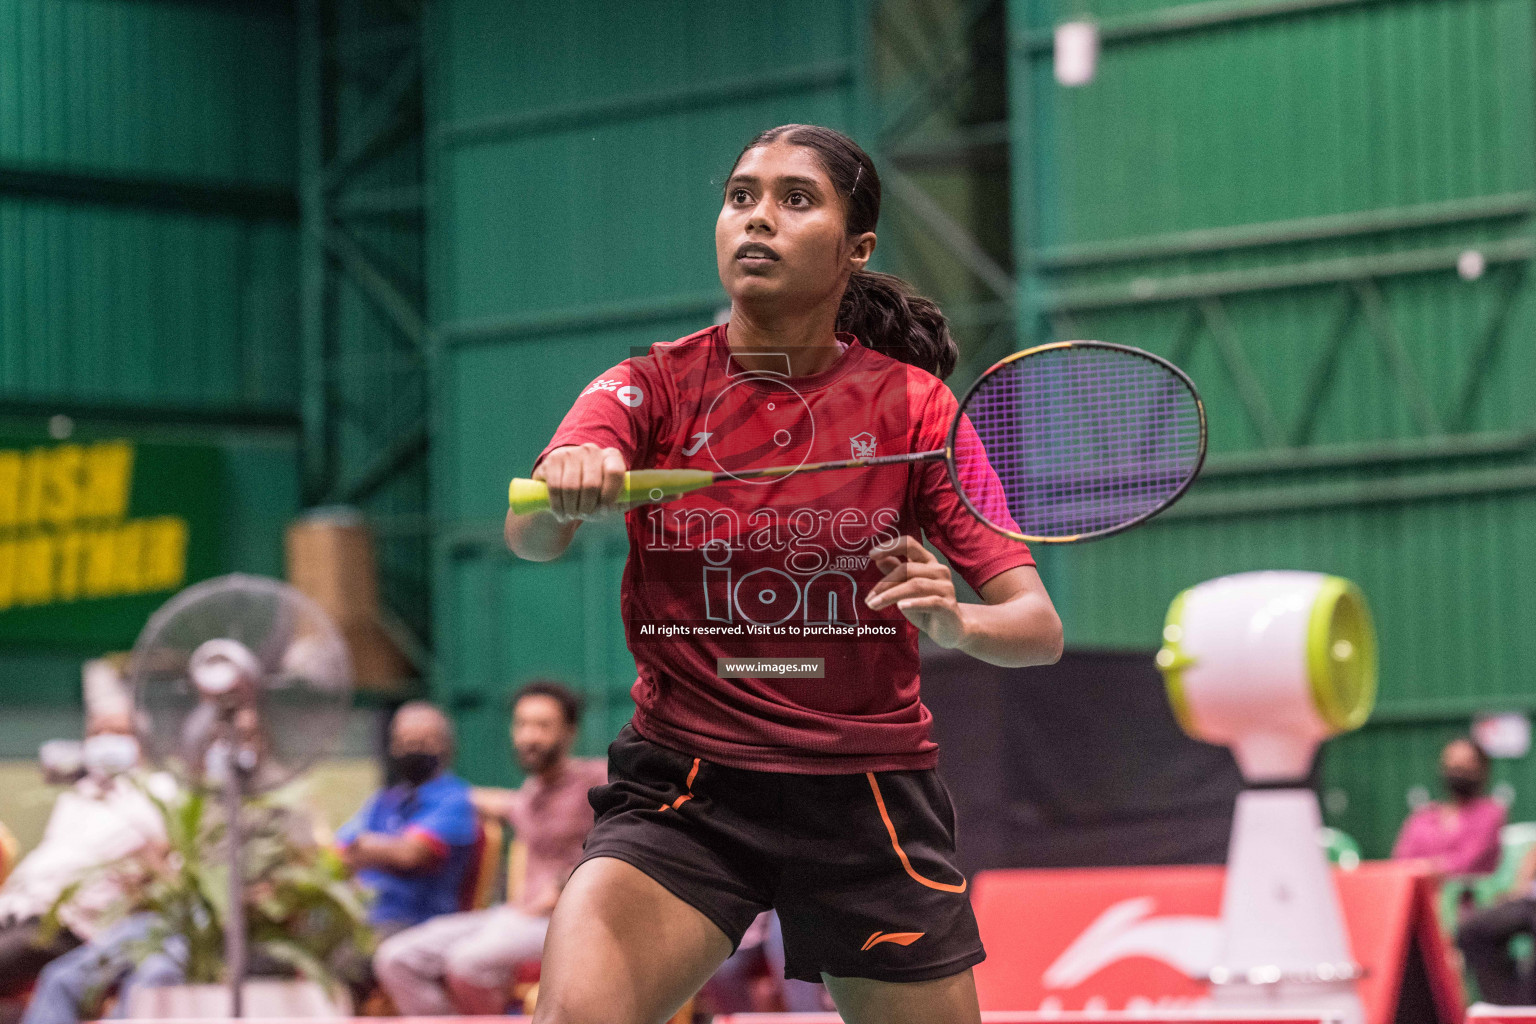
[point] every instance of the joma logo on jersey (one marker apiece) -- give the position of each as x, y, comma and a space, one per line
630, 396
863, 445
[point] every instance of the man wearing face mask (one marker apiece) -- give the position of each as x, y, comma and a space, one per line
1461, 835
463, 963
411, 843
103, 819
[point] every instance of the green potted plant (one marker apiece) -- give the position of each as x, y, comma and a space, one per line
304, 917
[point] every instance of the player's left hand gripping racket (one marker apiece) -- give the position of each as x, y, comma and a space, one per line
1064, 442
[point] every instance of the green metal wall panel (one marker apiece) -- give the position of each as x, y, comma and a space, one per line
1283, 199
147, 308
1372, 780
112, 114
181, 90
574, 192
147, 249
1447, 581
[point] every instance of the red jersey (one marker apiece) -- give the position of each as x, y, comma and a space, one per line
780, 568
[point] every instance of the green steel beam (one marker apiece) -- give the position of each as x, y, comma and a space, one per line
1444, 448
206, 197
861, 68
358, 204
1302, 229
636, 105
599, 316
1147, 291
411, 9
1454, 709
390, 116
401, 311
1353, 494
1321, 378
36, 407
913, 47
959, 241
940, 86
978, 314
1398, 361
314, 283
1494, 334
1189, 18
407, 448
406, 639
1240, 371
1027, 151
956, 148
362, 45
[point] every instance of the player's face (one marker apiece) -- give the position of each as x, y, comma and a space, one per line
540, 733
781, 237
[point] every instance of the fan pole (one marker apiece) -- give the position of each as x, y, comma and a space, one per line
234, 919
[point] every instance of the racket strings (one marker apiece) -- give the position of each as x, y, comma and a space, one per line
1079, 440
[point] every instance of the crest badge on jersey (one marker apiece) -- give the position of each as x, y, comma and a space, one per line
863, 445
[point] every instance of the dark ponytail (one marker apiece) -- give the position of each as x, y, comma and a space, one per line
882, 311
879, 307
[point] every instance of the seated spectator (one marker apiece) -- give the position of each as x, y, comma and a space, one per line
1461, 836
412, 842
123, 956
464, 962
1484, 940
752, 980
102, 820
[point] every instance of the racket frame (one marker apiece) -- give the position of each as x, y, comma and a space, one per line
954, 429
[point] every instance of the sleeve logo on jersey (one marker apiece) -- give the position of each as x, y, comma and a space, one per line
628, 394
863, 445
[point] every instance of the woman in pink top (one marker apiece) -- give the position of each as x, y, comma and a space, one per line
1460, 836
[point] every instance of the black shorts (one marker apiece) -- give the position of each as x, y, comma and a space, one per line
859, 867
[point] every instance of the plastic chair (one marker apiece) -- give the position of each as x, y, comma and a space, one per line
487, 864
1515, 841
1342, 850
10, 852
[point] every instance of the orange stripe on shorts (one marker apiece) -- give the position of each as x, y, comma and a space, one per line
689, 784
896, 844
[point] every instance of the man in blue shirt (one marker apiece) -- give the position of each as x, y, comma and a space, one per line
412, 843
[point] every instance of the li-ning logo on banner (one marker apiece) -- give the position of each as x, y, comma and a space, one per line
863, 445
1186, 942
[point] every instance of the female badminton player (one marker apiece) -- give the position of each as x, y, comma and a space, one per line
734, 788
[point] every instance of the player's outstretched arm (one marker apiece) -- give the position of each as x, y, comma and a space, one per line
1017, 626
584, 482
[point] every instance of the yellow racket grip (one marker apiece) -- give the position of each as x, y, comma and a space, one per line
640, 486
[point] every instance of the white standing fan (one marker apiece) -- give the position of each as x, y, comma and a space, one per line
1271, 664
240, 683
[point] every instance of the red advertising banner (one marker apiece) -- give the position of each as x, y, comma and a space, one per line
1042, 1018
824, 1018
1130, 939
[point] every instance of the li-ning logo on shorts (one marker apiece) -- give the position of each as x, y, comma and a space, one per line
629, 395
900, 938
863, 445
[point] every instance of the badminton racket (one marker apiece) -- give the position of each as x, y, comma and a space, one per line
1064, 442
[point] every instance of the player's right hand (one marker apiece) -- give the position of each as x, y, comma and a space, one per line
584, 481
